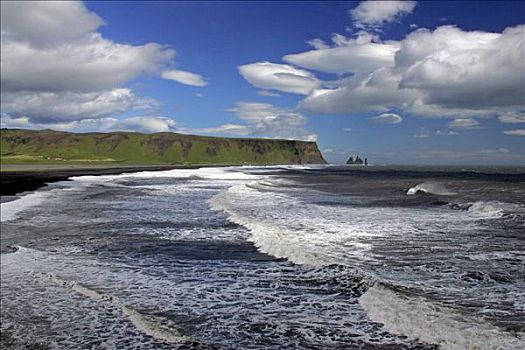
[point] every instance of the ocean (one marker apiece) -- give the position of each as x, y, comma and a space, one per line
280, 257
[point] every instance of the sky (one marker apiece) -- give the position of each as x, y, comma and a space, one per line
398, 82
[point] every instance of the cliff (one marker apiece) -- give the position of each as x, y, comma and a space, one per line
48, 146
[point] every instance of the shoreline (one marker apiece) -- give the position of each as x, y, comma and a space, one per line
16, 181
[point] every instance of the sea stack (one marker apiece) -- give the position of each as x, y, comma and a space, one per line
357, 160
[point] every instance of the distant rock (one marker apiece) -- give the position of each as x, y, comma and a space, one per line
357, 160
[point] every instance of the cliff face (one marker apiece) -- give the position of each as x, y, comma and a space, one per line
47, 146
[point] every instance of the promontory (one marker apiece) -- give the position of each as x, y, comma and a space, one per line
19, 146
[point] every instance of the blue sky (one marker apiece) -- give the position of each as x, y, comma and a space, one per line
397, 82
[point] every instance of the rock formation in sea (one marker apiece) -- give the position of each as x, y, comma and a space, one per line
357, 160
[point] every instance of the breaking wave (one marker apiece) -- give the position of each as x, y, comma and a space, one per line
224, 173
420, 319
494, 209
431, 188
154, 326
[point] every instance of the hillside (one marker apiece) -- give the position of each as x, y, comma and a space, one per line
20, 146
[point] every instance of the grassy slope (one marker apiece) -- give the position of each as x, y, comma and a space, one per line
52, 147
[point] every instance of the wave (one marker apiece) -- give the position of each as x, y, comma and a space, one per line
422, 320
222, 173
10, 210
154, 326
431, 188
491, 209
494, 209
269, 239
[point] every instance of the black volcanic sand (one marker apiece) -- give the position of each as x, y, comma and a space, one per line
16, 182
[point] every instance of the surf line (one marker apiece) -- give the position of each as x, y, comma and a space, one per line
147, 324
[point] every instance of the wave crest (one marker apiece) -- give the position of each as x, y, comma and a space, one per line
431, 188
419, 319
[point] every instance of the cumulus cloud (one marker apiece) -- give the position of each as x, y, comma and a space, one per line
281, 77
515, 132
56, 67
184, 77
53, 46
46, 23
53, 107
447, 72
464, 123
263, 119
377, 91
512, 117
387, 118
146, 124
374, 14
359, 55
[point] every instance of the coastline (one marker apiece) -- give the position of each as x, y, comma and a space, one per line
20, 178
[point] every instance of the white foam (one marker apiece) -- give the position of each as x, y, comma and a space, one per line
430, 187
422, 320
148, 324
494, 209
314, 234
223, 173
9, 210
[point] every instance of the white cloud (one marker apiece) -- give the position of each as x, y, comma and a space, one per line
281, 77
88, 64
464, 123
422, 134
347, 129
184, 77
387, 118
515, 132
268, 93
146, 124
377, 91
318, 44
374, 14
45, 23
359, 55
263, 119
447, 72
52, 107
446, 133
494, 151
56, 67
512, 117
229, 129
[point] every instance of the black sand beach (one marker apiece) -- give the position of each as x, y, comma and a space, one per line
29, 178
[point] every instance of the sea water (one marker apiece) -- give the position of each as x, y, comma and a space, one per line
290, 257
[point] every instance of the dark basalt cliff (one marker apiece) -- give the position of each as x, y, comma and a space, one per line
48, 146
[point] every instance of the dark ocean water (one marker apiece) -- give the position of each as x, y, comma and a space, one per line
268, 258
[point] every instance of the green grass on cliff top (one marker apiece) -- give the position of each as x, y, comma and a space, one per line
126, 148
